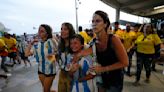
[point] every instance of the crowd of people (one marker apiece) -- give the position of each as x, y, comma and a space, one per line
93, 60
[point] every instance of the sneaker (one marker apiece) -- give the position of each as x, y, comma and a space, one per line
0, 89
128, 74
4, 68
136, 83
8, 74
3, 76
147, 81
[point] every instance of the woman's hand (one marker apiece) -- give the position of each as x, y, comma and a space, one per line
51, 57
98, 69
76, 58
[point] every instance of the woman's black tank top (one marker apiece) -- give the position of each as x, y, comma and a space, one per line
109, 57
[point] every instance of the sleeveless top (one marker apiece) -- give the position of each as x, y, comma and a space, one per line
109, 57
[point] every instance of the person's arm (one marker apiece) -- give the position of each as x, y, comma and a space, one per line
73, 68
85, 52
28, 51
121, 55
87, 77
82, 54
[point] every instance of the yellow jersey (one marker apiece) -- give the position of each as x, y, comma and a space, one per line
146, 44
128, 39
2, 43
3, 49
85, 36
120, 33
11, 43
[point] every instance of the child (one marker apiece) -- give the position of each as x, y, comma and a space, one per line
79, 70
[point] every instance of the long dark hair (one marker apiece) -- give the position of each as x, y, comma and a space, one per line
104, 16
62, 47
142, 28
48, 30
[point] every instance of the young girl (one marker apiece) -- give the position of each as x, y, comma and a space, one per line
67, 31
79, 70
44, 56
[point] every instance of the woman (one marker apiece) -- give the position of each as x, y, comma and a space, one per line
110, 54
67, 31
147, 43
45, 56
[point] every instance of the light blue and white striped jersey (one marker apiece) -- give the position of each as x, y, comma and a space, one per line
87, 85
41, 51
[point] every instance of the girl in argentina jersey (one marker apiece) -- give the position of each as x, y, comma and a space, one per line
79, 70
45, 56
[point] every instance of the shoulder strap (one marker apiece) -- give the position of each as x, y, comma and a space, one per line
110, 40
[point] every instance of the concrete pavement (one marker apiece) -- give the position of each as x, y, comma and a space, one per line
25, 79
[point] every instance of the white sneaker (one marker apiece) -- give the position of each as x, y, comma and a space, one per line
8, 74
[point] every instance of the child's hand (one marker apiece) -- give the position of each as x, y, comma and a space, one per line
75, 58
74, 67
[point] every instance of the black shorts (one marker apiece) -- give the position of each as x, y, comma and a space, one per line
12, 54
22, 55
47, 75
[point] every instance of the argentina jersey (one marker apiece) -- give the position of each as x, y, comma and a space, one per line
46, 65
86, 85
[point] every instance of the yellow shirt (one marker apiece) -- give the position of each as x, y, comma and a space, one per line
146, 45
85, 36
138, 33
120, 33
11, 42
3, 50
2, 43
128, 39
89, 38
